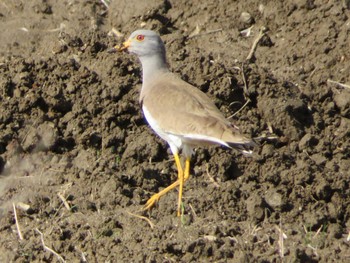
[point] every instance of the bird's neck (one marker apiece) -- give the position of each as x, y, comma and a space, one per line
152, 66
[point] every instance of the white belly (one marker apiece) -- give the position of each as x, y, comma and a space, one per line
175, 142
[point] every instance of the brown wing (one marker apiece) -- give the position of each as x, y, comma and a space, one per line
184, 110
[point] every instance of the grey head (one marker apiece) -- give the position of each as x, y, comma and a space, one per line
149, 48
144, 42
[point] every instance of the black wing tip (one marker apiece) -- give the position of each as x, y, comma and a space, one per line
246, 148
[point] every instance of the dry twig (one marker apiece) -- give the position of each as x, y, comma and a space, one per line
234, 114
245, 87
17, 224
143, 218
60, 258
115, 32
268, 136
281, 237
338, 84
318, 231
83, 258
256, 42
105, 3
210, 177
197, 34
64, 200
245, 93
194, 212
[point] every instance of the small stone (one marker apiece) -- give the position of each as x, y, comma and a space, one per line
110, 187
268, 150
335, 230
255, 207
307, 141
48, 136
273, 199
343, 128
342, 100
30, 140
83, 160
246, 18
323, 190
318, 158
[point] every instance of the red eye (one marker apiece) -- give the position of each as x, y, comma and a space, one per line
140, 37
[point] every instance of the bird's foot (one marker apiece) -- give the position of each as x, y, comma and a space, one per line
151, 202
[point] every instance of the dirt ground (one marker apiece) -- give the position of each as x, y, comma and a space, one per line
78, 160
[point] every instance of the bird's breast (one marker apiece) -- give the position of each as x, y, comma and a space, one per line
174, 141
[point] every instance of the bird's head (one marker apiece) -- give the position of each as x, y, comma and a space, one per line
143, 43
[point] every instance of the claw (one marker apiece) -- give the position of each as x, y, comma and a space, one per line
182, 178
151, 202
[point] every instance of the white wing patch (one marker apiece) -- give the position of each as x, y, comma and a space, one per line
202, 138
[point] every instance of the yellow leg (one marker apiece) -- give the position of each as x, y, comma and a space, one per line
187, 169
181, 182
155, 198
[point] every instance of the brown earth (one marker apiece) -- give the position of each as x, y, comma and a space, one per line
75, 147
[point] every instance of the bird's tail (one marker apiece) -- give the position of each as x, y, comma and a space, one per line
234, 139
246, 147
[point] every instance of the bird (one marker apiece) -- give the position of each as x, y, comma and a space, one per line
181, 114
